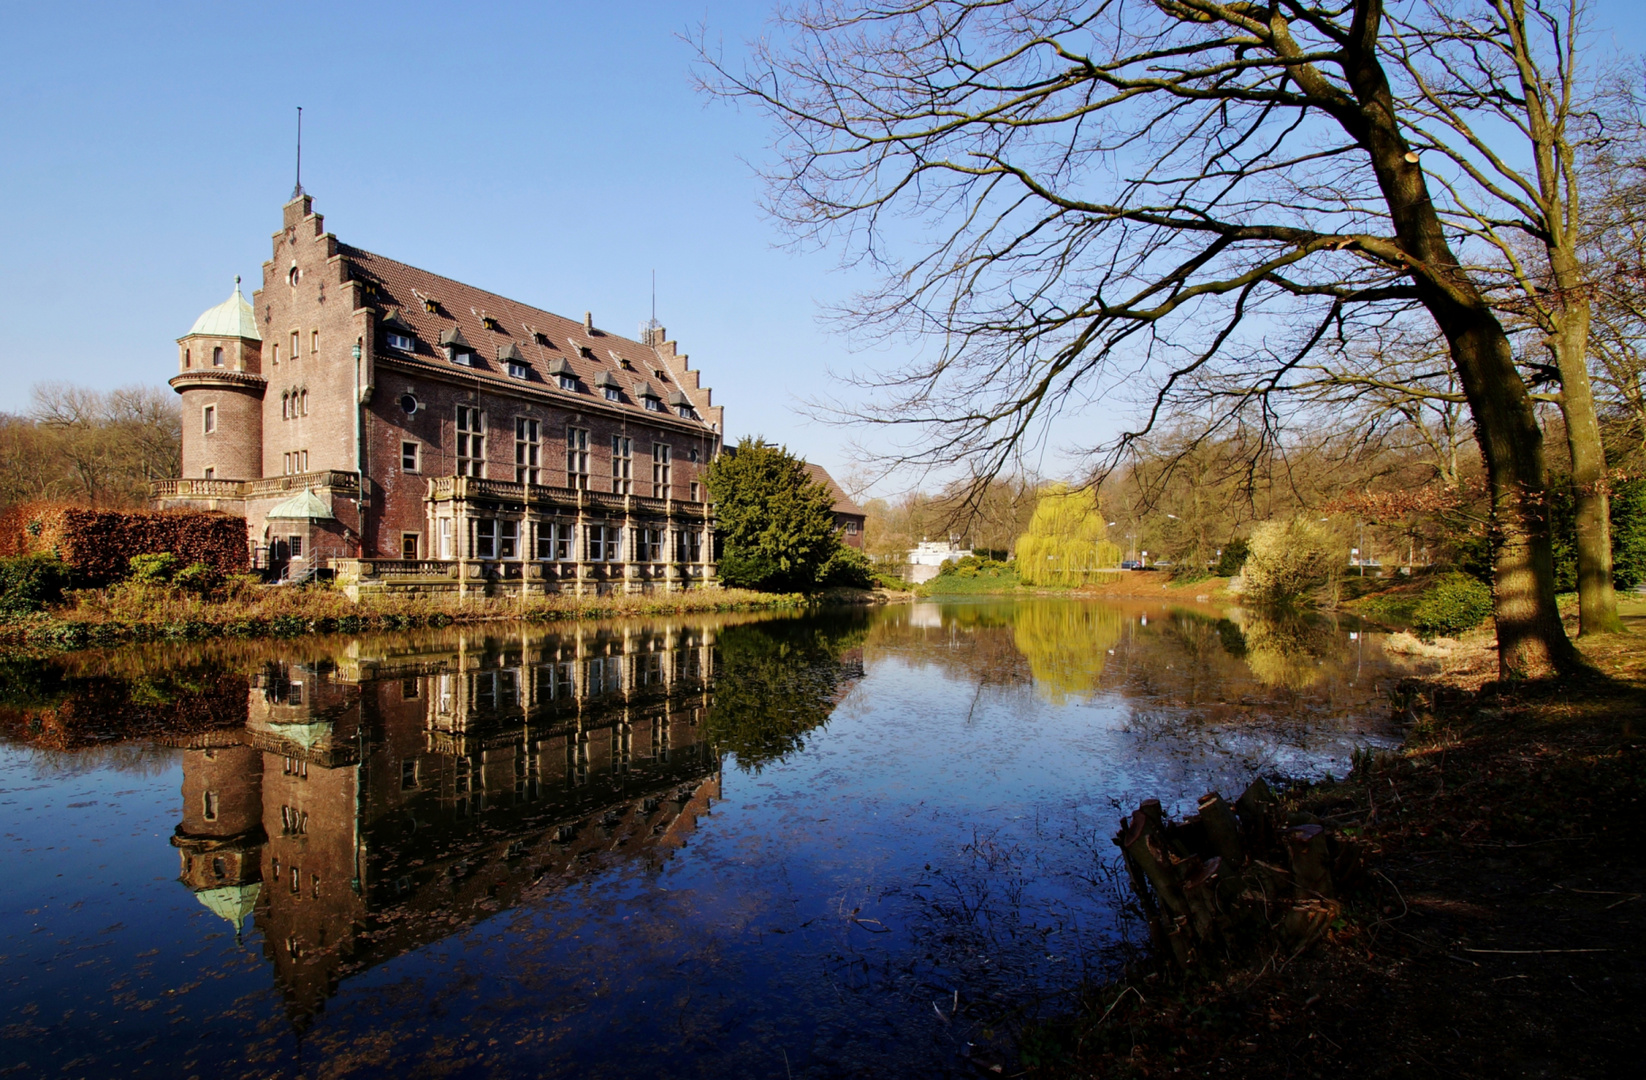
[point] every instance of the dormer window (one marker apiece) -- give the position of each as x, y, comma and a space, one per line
398, 332
517, 370
488, 322
609, 386
649, 398
402, 342
625, 362
653, 405
458, 349
509, 356
217, 356
542, 339
568, 382
613, 394
683, 406
561, 369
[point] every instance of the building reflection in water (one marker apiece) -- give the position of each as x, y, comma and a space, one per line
375, 803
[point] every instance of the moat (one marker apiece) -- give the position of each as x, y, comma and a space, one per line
857, 843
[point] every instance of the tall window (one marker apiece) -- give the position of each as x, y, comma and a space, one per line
409, 453
471, 441
303, 398
314, 343
208, 419
554, 541
446, 538
294, 344
508, 539
485, 538
577, 458
526, 450
605, 543
217, 356
688, 546
651, 544
622, 465
660, 471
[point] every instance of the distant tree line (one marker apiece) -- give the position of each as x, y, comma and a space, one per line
97, 448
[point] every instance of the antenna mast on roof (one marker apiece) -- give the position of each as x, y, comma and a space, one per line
297, 191
649, 330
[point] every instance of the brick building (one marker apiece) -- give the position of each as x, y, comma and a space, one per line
406, 429
848, 516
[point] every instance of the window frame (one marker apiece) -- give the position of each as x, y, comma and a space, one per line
518, 370
662, 470
485, 538
622, 465
528, 450
469, 450
577, 458
403, 342
208, 418
415, 456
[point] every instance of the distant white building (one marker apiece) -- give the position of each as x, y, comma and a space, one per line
928, 557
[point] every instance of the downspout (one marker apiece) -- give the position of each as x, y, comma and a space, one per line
359, 458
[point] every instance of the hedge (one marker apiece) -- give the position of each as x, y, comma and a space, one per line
99, 544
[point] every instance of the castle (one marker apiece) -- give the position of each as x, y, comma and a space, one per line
401, 429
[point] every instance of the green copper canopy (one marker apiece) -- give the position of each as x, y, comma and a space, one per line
305, 507
232, 318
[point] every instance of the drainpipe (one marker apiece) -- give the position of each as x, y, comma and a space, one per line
359, 462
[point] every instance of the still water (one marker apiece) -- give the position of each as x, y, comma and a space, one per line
858, 843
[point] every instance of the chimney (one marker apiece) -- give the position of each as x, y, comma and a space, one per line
588, 322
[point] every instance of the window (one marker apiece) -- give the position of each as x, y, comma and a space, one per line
613, 394
209, 806
568, 382
210, 473
622, 465
653, 405
208, 418
401, 342
188, 359
285, 406
291, 277
409, 404
651, 544
303, 458
408, 773
661, 471
517, 370
554, 541
689, 413
688, 546
410, 452
692, 455
851, 528
294, 343
508, 539
445, 538
697, 492
605, 543
471, 441
217, 356
314, 343
295, 545
276, 356
408, 546
485, 539
527, 432
464, 358
577, 458
304, 398
411, 688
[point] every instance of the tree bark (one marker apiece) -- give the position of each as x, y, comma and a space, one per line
1532, 643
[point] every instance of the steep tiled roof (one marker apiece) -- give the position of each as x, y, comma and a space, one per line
842, 502
436, 307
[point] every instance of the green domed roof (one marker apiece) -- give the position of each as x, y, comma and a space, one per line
305, 507
231, 902
232, 318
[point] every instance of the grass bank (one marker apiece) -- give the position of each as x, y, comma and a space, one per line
135, 611
1500, 929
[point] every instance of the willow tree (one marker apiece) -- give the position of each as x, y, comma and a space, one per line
1066, 195
1067, 541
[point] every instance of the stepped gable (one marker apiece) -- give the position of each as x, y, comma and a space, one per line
490, 324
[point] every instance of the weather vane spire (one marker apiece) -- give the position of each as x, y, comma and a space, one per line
297, 191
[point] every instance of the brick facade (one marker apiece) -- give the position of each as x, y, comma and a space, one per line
499, 446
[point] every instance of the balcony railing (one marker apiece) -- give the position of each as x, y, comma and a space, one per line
450, 488
194, 488
344, 483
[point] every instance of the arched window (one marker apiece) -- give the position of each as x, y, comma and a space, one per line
293, 276
188, 361
217, 356
285, 406
305, 397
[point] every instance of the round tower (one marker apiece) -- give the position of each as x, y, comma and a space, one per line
220, 376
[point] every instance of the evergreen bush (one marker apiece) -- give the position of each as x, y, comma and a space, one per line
29, 582
1454, 604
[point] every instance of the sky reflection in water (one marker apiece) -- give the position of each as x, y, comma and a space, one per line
848, 844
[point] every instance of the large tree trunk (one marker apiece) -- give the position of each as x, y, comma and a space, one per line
1531, 642
1596, 598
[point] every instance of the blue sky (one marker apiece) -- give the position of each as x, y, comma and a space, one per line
553, 152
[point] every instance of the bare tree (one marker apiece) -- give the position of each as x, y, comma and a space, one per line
1125, 187
104, 447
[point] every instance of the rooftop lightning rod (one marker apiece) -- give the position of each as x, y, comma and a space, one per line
297, 191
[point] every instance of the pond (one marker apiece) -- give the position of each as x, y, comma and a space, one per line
854, 843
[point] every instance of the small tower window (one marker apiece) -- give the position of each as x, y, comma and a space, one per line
314, 343
208, 419
304, 398
188, 361
217, 356
295, 341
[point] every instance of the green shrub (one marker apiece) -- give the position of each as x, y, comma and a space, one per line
847, 567
1455, 603
198, 578
29, 582
1288, 560
155, 569
1233, 558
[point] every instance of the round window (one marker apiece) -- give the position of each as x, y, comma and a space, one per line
408, 404
293, 276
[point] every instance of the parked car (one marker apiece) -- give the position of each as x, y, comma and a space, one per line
1130, 564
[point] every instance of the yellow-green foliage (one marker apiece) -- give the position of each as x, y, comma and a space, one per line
1289, 560
1066, 645
1285, 650
1066, 543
